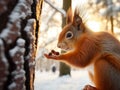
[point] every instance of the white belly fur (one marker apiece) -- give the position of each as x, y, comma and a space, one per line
90, 69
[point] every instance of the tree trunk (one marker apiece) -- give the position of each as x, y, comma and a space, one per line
65, 69
18, 42
112, 24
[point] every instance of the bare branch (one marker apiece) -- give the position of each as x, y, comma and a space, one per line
58, 9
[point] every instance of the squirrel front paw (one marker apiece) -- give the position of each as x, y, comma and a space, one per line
52, 55
89, 87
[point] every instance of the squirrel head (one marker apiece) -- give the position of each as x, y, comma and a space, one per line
71, 31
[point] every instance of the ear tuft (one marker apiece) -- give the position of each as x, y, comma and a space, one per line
69, 17
77, 20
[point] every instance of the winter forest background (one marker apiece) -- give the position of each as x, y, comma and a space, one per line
100, 15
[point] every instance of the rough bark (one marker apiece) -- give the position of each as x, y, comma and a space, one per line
18, 42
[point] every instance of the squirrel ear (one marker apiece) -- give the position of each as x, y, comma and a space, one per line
69, 16
77, 20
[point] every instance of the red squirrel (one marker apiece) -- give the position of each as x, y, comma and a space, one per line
86, 48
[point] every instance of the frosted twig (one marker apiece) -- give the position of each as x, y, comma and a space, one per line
58, 9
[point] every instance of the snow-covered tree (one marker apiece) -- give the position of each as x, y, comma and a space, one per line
18, 42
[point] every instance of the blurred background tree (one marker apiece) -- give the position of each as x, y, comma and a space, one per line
109, 12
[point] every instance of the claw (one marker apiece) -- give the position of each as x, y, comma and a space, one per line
89, 87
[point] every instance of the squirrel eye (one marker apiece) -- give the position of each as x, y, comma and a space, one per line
69, 35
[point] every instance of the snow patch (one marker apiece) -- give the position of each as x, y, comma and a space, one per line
20, 11
13, 51
32, 64
29, 23
19, 48
11, 86
20, 42
52, 81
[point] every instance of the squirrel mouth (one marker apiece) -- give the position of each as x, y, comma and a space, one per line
66, 49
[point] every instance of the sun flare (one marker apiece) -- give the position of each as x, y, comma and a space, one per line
94, 26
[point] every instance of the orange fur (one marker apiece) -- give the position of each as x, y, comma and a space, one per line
86, 48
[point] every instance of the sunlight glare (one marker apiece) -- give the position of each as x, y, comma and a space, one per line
94, 26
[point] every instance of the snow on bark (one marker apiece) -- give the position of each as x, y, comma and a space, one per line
20, 12
29, 29
30, 33
17, 46
3, 66
17, 55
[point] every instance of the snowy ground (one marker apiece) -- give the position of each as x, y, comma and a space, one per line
51, 81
